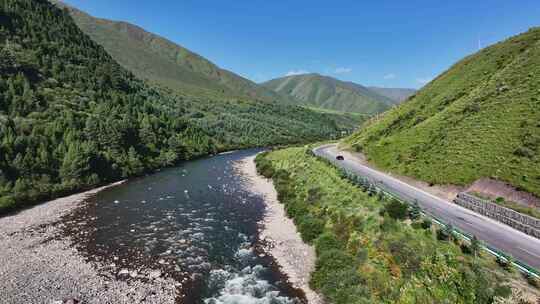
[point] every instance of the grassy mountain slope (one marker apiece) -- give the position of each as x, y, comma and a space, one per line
481, 118
398, 95
161, 61
72, 118
329, 93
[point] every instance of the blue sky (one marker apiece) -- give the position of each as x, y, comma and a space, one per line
383, 43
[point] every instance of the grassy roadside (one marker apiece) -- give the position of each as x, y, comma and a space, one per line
369, 250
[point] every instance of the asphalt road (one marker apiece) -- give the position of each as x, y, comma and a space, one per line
516, 243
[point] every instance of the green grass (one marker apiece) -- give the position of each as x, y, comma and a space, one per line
365, 255
325, 92
481, 118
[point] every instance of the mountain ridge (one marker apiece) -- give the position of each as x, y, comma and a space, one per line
397, 94
317, 90
164, 62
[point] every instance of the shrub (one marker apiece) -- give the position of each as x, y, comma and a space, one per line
426, 224
310, 227
264, 167
503, 291
314, 195
532, 280
327, 241
465, 248
328, 264
397, 210
524, 152
415, 211
7, 203
442, 235
505, 263
417, 225
446, 233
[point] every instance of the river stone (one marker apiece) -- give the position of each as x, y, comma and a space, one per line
154, 274
123, 272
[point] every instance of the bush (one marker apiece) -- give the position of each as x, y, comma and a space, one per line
442, 235
426, 224
417, 225
327, 241
7, 203
264, 167
397, 210
532, 280
524, 152
415, 211
328, 264
314, 195
465, 248
505, 263
446, 233
310, 227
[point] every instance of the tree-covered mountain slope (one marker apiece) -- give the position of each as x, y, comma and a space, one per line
71, 117
161, 61
328, 93
397, 95
481, 118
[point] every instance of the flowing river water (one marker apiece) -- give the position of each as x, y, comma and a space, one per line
197, 223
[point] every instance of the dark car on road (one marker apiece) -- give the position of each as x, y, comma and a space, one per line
340, 157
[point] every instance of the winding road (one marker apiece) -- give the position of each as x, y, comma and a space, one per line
516, 243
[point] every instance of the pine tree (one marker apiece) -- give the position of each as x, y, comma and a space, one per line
75, 164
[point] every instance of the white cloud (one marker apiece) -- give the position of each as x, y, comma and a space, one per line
342, 70
390, 76
296, 72
423, 80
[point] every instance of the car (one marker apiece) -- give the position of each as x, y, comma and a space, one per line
340, 157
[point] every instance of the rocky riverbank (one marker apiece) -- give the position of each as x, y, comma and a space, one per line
295, 258
38, 265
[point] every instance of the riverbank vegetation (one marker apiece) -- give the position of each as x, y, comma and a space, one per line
371, 249
72, 118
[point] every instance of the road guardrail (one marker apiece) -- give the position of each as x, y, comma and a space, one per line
370, 184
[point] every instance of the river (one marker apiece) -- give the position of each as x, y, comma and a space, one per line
197, 223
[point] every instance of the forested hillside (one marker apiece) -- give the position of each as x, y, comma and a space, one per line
72, 118
163, 62
481, 118
315, 90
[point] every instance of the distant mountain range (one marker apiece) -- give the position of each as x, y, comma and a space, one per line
479, 119
163, 62
168, 64
329, 93
398, 95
